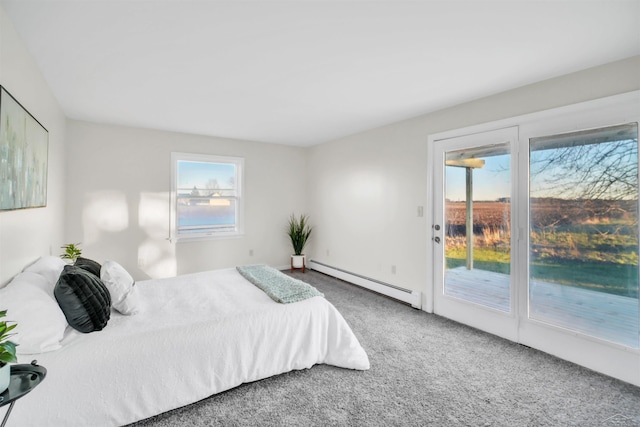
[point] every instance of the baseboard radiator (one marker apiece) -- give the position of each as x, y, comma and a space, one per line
396, 292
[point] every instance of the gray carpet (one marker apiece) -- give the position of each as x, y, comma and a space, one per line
425, 370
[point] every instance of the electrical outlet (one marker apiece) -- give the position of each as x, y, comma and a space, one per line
250, 252
327, 252
393, 269
420, 211
140, 262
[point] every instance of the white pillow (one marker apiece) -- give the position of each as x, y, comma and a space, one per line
41, 323
50, 267
28, 278
121, 286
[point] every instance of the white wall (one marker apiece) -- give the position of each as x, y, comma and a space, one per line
365, 189
28, 233
118, 182
362, 191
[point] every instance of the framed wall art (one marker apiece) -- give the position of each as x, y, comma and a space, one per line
24, 149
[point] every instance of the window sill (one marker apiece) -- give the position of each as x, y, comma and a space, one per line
205, 237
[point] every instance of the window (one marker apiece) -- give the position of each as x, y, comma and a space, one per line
583, 244
206, 196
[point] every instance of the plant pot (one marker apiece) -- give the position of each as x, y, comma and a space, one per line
5, 377
297, 261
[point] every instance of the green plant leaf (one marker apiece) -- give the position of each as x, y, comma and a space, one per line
7, 348
72, 251
8, 352
299, 232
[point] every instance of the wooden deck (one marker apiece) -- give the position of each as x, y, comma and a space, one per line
610, 317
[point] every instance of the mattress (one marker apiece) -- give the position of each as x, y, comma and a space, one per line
195, 335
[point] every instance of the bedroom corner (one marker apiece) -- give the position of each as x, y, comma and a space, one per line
121, 213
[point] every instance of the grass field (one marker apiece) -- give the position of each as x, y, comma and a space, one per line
593, 246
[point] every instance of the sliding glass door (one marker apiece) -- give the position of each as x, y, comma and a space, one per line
536, 237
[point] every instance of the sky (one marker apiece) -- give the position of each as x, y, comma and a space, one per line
606, 170
198, 174
489, 183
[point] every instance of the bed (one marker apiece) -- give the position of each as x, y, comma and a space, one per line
192, 336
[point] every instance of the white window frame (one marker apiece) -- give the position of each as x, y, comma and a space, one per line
238, 230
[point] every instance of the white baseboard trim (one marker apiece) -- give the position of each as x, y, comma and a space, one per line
405, 295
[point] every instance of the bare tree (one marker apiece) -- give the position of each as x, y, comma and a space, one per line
212, 186
593, 171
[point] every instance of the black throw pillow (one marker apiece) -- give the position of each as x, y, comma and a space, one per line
83, 298
89, 265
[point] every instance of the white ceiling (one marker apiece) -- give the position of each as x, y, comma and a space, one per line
305, 72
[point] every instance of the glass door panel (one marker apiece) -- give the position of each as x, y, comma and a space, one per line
477, 225
583, 232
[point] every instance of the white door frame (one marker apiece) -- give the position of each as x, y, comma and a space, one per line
494, 321
611, 359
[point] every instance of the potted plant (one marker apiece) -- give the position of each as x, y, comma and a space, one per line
71, 252
7, 352
299, 231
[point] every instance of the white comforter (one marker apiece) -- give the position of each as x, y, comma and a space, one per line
196, 335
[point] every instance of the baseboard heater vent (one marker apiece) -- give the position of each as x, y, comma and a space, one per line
405, 295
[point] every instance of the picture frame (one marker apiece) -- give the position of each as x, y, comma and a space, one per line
24, 156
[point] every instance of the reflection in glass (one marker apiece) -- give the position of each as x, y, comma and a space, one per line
583, 241
478, 225
206, 196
